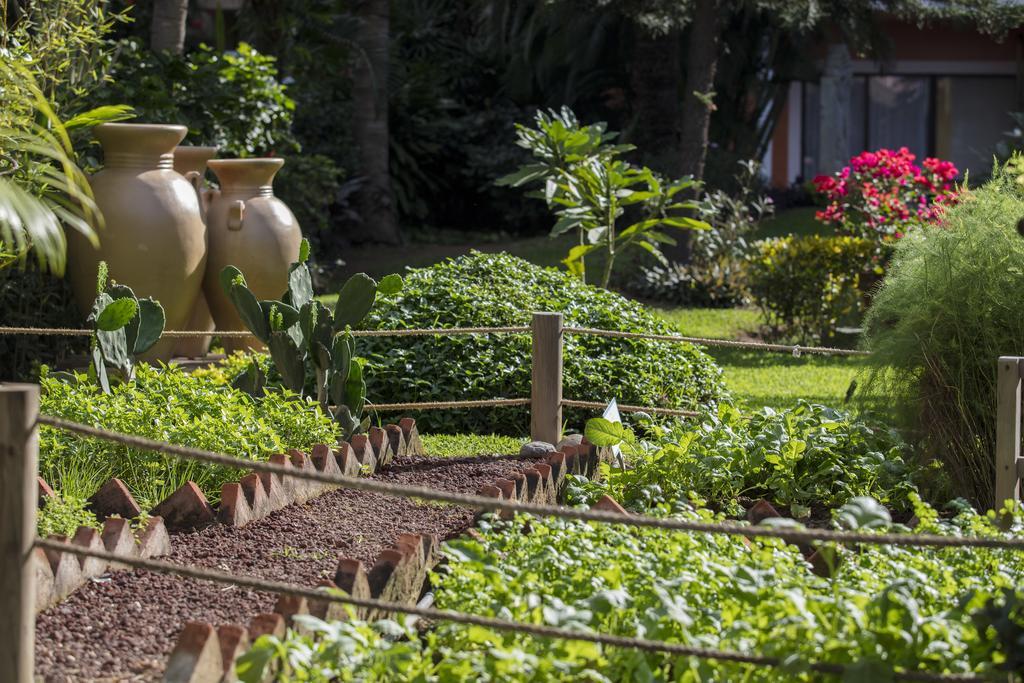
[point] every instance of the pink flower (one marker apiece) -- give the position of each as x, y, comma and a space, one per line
884, 192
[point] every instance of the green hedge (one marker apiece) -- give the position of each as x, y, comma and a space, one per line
807, 286
502, 290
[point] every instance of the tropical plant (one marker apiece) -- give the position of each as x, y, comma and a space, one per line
62, 44
483, 290
882, 195
714, 276
310, 345
124, 326
944, 314
42, 189
590, 189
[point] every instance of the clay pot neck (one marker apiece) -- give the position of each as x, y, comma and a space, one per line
188, 158
139, 145
249, 177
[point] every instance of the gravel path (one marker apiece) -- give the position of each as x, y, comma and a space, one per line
123, 627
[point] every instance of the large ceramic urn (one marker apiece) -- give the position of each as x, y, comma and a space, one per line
154, 237
190, 161
252, 230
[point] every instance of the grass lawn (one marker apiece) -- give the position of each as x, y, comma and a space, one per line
759, 378
798, 220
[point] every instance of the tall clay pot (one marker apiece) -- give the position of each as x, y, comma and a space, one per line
154, 238
190, 162
252, 230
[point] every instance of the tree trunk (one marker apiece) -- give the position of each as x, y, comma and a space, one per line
701, 63
370, 123
167, 27
655, 78
697, 105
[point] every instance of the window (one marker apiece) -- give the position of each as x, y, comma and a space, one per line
959, 118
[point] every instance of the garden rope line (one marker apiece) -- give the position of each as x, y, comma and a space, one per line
796, 350
322, 595
441, 405
631, 409
232, 334
496, 504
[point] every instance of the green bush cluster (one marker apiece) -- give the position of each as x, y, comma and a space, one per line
233, 100
803, 457
807, 286
950, 306
170, 405
501, 290
886, 608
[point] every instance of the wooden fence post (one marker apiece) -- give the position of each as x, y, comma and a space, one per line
546, 388
1008, 414
19, 460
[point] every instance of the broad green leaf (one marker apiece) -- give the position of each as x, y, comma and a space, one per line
354, 301
604, 433
300, 285
390, 285
116, 315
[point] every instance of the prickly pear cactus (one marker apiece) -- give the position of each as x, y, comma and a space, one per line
124, 326
310, 345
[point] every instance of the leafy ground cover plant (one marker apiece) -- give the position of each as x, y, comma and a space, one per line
170, 405
883, 195
885, 607
501, 290
63, 514
589, 188
947, 310
799, 458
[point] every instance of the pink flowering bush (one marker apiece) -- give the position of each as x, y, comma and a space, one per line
881, 195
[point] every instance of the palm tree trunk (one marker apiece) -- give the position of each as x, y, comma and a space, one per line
370, 122
167, 27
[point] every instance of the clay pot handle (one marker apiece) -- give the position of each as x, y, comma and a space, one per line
236, 214
195, 178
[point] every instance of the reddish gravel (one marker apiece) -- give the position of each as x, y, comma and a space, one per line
123, 627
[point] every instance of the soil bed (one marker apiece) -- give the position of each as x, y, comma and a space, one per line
122, 627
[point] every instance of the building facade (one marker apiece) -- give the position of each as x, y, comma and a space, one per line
944, 91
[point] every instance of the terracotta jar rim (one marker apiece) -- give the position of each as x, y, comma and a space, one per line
193, 157
244, 175
139, 145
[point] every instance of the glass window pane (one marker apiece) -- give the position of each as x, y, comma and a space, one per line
898, 113
972, 116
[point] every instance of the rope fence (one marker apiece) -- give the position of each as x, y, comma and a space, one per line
597, 405
445, 405
539, 630
485, 503
795, 350
238, 334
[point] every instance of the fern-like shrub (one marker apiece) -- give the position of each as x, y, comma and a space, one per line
949, 307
